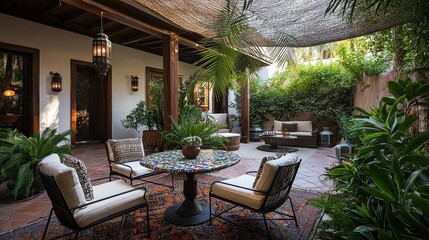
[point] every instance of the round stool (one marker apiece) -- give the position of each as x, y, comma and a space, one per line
233, 141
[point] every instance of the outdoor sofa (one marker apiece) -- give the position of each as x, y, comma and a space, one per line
307, 135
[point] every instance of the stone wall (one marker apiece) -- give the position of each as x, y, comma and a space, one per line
371, 89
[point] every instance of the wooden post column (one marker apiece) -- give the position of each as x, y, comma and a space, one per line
245, 109
170, 51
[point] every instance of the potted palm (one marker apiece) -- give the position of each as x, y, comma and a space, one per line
20, 155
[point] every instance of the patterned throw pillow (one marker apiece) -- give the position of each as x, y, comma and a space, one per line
290, 127
127, 150
82, 173
261, 167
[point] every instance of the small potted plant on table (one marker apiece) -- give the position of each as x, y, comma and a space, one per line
191, 146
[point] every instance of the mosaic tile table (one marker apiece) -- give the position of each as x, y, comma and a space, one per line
191, 211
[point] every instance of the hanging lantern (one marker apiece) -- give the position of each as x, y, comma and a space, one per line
9, 93
56, 83
326, 137
134, 83
101, 52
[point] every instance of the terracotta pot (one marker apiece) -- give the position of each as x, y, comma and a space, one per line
152, 140
190, 152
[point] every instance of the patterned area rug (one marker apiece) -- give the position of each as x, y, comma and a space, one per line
161, 198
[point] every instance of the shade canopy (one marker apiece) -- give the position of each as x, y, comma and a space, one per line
304, 20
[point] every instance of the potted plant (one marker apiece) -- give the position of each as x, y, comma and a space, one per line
191, 146
20, 155
204, 128
144, 116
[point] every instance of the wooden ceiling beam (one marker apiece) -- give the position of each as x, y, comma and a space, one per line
72, 17
150, 43
118, 30
110, 13
51, 6
138, 40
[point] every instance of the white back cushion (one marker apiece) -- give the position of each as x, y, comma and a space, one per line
66, 179
270, 169
220, 118
304, 126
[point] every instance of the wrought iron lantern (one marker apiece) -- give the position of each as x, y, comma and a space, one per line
326, 137
101, 52
56, 83
343, 149
134, 83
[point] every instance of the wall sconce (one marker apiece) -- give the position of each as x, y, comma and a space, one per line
9, 93
56, 84
134, 83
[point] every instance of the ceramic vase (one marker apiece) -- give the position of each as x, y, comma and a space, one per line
190, 152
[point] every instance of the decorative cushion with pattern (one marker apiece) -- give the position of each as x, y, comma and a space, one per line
82, 173
289, 127
261, 166
127, 150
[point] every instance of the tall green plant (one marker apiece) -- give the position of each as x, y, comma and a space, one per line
388, 179
231, 54
204, 128
19, 157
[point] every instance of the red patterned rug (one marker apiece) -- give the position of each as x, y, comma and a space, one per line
162, 197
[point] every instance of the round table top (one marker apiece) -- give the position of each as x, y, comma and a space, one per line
174, 161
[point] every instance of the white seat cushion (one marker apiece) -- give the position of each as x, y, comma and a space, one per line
243, 196
300, 134
66, 179
94, 212
270, 169
138, 169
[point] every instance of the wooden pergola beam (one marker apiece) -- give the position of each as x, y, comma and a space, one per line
170, 54
112, 14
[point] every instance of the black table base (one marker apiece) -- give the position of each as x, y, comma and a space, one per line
190, 212
173, 216
276, 148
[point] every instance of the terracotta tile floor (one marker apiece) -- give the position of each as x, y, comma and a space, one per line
93, 154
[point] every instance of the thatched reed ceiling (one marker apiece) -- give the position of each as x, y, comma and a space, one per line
304, 20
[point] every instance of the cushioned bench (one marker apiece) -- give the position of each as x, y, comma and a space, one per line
307, 135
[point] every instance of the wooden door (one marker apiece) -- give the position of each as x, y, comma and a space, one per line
90, 104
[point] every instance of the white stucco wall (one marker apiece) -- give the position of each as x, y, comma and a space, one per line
57, 47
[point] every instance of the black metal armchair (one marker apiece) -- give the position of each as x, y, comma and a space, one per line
111, 199
271, 193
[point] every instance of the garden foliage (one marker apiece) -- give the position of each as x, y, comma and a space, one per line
386, 184
19, 157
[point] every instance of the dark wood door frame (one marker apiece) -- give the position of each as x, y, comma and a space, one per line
33, 86
105, 124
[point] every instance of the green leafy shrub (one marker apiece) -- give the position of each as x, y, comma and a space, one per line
205, 129
19, 157
338, 225
350, 129
387, 181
